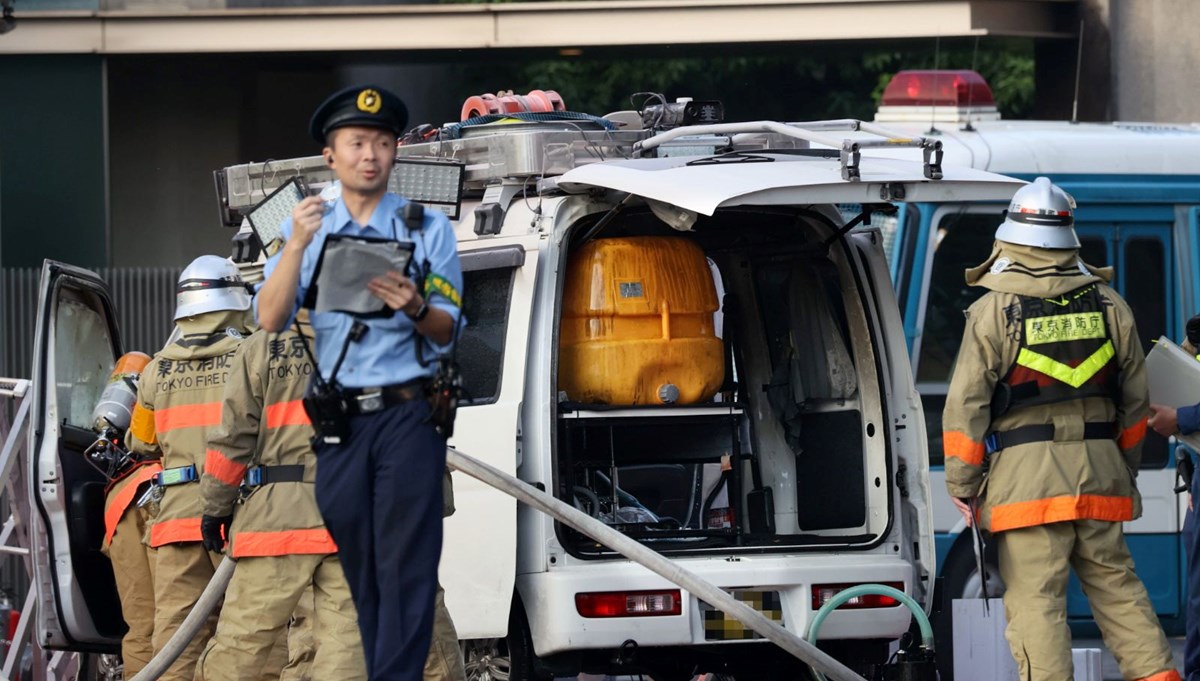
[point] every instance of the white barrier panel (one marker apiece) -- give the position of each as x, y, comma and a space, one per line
981, 652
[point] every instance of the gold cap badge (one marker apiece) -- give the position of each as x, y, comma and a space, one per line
369, 101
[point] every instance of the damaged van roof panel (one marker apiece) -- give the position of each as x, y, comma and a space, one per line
764, 178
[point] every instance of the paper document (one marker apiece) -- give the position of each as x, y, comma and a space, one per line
1174, 378
347, 264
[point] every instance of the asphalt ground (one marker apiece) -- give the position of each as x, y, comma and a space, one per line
1108, 663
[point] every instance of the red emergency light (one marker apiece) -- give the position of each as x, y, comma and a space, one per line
938, 88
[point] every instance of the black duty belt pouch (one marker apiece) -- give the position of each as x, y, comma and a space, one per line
444, 393
326, 408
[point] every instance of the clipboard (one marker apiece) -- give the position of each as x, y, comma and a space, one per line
266, 217
346, 264
1174, 379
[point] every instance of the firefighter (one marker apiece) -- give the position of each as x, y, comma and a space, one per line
381, 456
178, 408
263, 446
1043, 431
124, 519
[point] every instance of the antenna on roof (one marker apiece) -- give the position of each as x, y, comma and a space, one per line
937, 53
970, 90
1078, 68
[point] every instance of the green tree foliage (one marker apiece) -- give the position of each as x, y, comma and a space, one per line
787, 83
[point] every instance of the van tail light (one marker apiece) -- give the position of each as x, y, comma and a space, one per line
823, 593
629, 603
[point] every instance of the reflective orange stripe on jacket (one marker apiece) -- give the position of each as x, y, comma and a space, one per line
283, 543
287, 414
175, 531
1169, 675
1057, 509
958, 445
222, 468
1133, 434
187, 416
120, 503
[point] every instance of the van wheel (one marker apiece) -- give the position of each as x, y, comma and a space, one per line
505, 659
961, 579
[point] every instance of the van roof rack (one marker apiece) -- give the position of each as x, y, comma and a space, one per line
525, 149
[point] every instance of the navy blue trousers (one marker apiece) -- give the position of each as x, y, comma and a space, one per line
381, 496
1191, 544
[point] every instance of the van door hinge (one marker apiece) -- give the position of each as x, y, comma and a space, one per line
902, 480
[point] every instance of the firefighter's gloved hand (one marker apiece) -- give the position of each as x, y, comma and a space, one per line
214, 530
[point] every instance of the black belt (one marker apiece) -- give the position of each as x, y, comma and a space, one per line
1044, 432
265, 475
371, 400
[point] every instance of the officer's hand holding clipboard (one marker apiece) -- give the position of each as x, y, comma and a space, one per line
362, 276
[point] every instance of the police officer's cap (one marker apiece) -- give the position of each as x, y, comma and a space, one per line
366, 105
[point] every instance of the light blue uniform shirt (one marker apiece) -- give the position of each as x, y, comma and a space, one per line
387, 353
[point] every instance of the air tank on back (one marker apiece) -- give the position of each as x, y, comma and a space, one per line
115, 407
637, 324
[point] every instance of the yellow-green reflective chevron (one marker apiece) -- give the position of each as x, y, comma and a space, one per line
1073, 377
1061, 328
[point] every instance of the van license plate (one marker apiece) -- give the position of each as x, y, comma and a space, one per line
721, 627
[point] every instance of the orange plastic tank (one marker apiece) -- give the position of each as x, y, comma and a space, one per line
637, 324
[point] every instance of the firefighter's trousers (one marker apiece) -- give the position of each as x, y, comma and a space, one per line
133, 569
181, 572
444, 663
1035, 563
259, 603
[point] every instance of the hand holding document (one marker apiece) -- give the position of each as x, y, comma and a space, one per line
348, 264
1174, 378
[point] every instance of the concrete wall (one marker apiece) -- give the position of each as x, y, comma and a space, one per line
52, 192
174, 120
1156, 51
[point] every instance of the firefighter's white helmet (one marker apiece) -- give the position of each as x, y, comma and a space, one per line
211, 283
1041, 214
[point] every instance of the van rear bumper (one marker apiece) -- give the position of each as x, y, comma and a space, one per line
556, 626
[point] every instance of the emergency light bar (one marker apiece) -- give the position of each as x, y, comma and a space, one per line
436, 183
937, 96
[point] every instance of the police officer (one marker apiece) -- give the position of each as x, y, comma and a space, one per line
1049, 398
178, 408
378, 487
1168, 421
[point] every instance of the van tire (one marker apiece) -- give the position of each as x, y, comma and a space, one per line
505, 659
959, 575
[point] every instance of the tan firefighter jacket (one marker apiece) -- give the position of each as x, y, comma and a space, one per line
178, 408
263, 423
1069, 478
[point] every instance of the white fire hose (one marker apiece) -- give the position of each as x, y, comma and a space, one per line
655, 562
213, 593
569, 515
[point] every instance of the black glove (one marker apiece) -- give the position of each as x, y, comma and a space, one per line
1193, 331
214, 530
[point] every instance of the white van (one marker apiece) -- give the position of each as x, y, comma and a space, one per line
779, 454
